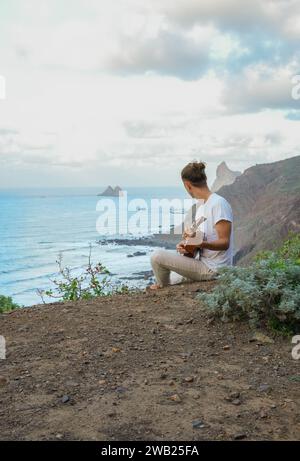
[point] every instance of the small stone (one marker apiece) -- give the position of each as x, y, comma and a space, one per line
3, 381
240, 436
189, 321
72, 383
121, 389
65, 399
189, 379
102, 382
236, 402
175, 398
198, 424
264, 388
226, 347
185, 355
263, 414
261, 338
115, 350
234, 395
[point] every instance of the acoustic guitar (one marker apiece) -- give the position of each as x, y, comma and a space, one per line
192, 238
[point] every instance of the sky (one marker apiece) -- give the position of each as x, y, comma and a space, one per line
127, 92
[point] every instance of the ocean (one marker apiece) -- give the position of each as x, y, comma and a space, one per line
36, 225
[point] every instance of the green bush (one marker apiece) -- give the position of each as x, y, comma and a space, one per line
91, 283
267, 291
7, 304
291, 248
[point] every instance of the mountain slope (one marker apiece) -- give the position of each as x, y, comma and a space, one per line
266, 205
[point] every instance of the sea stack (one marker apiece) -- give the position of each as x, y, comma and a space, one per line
111, 192
224, 177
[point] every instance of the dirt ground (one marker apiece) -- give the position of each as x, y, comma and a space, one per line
145, 366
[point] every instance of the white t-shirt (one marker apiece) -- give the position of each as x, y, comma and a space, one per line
215, 209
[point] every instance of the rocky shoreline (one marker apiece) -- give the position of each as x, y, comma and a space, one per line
167, 241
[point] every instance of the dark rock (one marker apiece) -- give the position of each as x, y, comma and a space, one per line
137, 253
198, 424
264, 388
65, 399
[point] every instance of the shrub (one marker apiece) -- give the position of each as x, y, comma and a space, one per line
7, 304
93, 282
268, 290
291, 248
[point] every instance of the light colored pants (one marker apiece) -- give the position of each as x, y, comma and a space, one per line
164, 262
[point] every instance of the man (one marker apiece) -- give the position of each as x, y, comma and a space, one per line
217, 246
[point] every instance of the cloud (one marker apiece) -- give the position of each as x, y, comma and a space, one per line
260, 87
171, 52
106, 89
183, 38
7, 131
251, 15
15, 149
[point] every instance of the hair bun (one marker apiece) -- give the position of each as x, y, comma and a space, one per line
195, 173
200, 166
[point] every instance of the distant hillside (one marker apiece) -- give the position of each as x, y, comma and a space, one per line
266, 204
224, 177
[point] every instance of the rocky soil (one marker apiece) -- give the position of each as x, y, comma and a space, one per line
144, 366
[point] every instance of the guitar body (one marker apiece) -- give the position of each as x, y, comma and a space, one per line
191, 245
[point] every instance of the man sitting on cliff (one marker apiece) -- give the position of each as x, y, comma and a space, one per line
216, 249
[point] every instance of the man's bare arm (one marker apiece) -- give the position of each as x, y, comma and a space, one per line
223, 229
